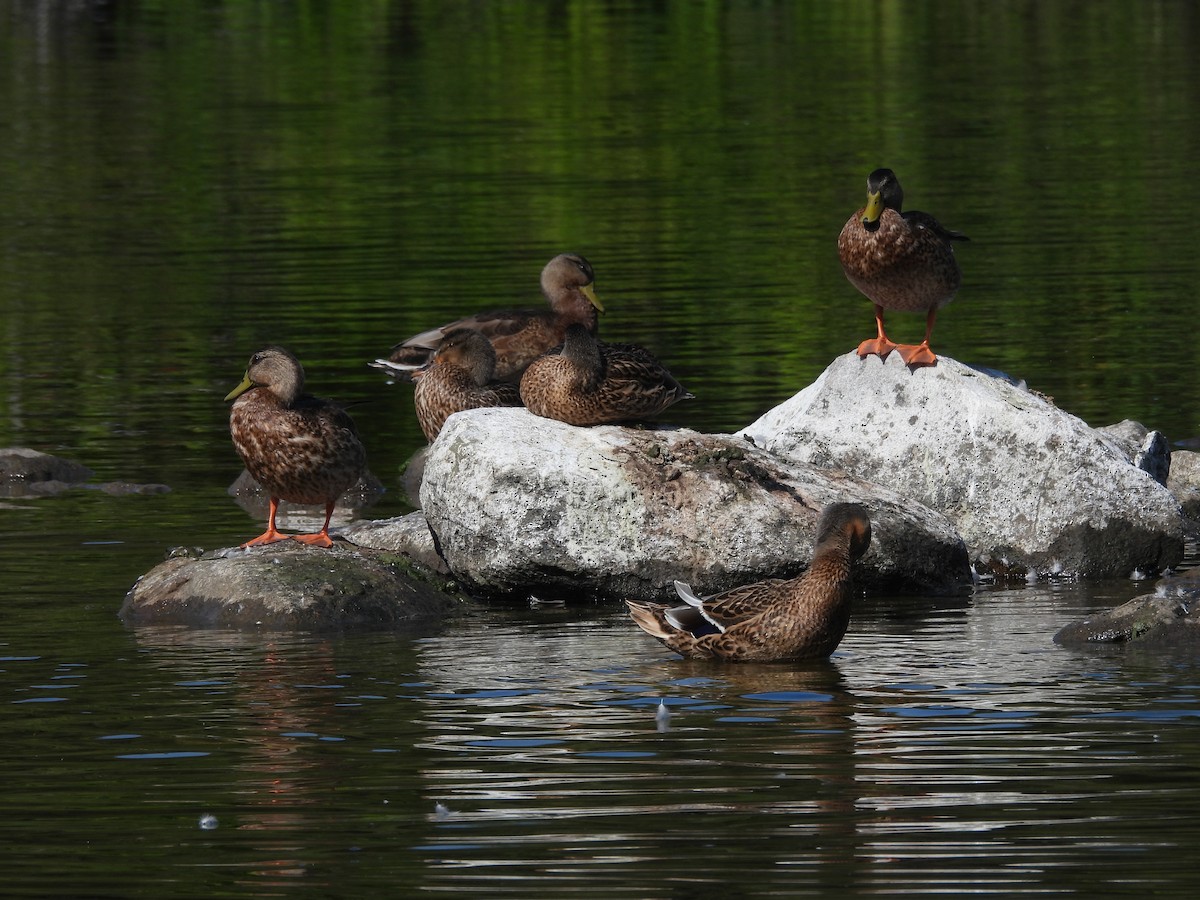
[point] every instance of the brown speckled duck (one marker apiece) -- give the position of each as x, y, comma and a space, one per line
589, 382
518, 336
900, 261
300, 448
460, 376
798, 618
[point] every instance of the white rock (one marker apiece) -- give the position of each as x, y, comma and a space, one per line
1022, 480
516, 501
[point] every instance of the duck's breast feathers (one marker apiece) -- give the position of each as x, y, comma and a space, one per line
308, 452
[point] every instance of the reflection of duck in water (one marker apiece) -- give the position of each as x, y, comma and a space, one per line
589, 382
300, 448
518, 336
458, 377
900, 261
798, 618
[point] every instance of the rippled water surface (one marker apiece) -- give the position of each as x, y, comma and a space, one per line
185, 182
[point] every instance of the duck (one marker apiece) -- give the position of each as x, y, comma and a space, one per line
518, 336
300, 448
458, 377
900, 261
771, 621
588, 382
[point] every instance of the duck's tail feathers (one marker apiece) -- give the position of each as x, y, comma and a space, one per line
648, 618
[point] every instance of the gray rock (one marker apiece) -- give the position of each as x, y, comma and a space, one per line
286, 586
1146, 449
1183, 482
1027, 485
519, 503
30, 473
1170, 617
409, 535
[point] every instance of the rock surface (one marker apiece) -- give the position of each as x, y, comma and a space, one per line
1027, 485
1170, 617
29, 474
1184, 483
409, 535
1146, 449
519, 503
286, 585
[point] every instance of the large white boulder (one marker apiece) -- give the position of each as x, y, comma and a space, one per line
521, 503
1026, 484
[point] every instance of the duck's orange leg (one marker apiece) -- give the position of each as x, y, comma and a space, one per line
269, 536
920, 354
321, 538
880, 345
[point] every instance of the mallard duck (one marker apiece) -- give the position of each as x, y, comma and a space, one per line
300, 448
459, 377
900, 261
518, 336
798, 618
589, 382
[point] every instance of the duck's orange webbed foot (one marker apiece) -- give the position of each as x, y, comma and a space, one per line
880, 347
270, 536
916, 355
320, 539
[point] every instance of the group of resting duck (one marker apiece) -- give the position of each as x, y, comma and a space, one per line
306, 450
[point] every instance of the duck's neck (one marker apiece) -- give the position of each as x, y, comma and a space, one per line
581, 349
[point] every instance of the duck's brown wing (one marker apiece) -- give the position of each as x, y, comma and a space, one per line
917, 219
735, 606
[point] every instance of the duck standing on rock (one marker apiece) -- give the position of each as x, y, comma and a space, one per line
900, 261
589, 382
300, 448
798, 618
458, 377
518, 336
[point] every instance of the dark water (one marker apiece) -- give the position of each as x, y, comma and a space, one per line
184, 183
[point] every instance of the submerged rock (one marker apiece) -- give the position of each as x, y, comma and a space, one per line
29, 474
517, 502
253, 499
287, 585
1170, 617
1028, 486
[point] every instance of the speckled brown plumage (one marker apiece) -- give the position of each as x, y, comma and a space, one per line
519, 336
900, 261
459, 377
589, 382
798, 618
300, 448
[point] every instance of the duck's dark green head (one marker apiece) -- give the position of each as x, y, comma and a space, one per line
883, 192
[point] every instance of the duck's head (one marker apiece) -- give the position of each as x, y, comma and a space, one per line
570, 272
846, 521
468, 349
883, 192
275, 369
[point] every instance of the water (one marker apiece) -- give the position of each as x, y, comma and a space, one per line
185, 183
